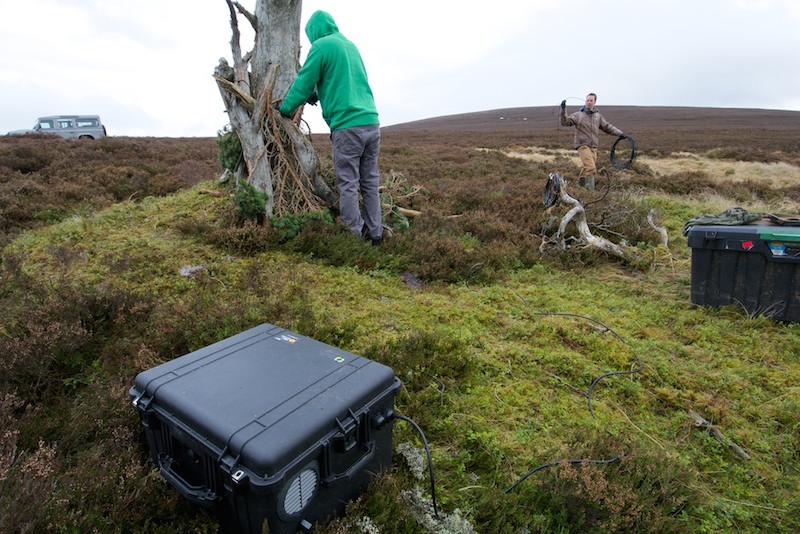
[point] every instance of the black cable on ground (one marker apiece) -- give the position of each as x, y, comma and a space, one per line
551, 464
599, 378
639, 367
595, 321
624, 163
430, 461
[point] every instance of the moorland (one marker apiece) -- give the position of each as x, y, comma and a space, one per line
123, 253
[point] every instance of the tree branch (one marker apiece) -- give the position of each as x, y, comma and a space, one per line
662, 231
265, 98
579, 215
246, 14
239, 67
700, 422
247, 101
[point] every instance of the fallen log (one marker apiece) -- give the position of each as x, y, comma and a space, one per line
555, 193
578, 214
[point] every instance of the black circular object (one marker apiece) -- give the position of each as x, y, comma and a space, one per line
624, 162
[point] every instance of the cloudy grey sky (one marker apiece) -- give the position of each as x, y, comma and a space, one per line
145, 65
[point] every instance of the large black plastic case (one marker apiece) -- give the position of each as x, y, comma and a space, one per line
268, 424
753, 265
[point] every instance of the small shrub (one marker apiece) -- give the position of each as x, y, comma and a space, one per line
246, 239
230, 148
289, 226
25, 159
250, 202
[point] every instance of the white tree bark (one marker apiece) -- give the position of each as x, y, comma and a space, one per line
578, 214
257, 79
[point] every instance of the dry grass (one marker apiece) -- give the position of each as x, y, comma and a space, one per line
774, 174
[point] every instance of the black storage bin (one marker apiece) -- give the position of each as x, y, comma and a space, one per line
268, 424
753, 265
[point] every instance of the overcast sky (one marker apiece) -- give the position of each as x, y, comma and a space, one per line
145, 65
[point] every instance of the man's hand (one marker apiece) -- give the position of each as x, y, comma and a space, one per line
563, 104
313, 99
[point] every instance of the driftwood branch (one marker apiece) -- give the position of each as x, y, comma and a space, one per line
213, 192
612, 216
662, 231
577, 214
701, 422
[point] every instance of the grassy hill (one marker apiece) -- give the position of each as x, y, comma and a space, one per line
116, 258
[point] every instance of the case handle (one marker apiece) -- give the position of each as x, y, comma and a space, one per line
354, 468
201, 495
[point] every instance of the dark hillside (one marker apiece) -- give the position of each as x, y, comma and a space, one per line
749, 134
638, 118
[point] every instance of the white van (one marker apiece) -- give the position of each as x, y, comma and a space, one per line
67, 126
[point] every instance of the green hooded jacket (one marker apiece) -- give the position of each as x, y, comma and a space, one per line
334, 69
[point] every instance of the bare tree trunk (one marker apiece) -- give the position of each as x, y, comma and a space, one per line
555, 192
579, 215
278, 157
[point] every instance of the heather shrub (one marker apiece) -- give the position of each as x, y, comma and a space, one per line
333, 245
45, 179
26, 480
25, 159
421, 358
749, 191
681, 183
52, 333
265, 291
478, 246
248, 238
645, 490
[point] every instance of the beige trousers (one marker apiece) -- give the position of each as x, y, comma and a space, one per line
588, 157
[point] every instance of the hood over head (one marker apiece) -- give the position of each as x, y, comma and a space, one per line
319, 25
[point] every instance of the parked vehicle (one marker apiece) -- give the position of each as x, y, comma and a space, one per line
67, 126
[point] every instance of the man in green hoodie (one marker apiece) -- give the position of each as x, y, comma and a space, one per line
335, 72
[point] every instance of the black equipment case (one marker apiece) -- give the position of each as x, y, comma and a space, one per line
754, 265
268, 424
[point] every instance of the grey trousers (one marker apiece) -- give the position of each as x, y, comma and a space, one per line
355, 159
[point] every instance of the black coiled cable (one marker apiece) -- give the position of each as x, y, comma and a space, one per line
623, 164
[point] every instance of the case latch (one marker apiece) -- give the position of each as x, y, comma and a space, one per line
347, 436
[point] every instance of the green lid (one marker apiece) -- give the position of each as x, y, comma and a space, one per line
779, 233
